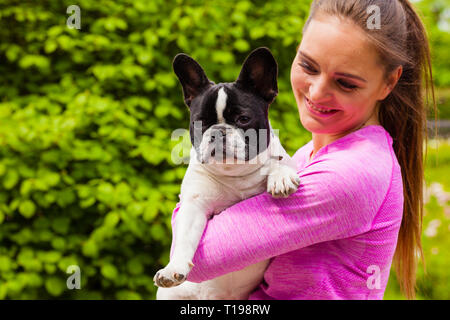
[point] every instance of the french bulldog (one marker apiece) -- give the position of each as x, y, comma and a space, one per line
235, 155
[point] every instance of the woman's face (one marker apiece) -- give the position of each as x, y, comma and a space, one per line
335, 78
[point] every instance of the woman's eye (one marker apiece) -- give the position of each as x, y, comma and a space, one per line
347, 85
306, 67
344, 84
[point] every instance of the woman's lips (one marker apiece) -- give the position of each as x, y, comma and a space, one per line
320, 111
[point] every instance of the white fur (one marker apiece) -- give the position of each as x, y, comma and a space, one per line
221, 103
235, 146
208, 189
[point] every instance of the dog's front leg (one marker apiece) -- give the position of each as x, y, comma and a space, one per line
190, 223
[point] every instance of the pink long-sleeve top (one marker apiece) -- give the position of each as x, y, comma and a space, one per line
333, 239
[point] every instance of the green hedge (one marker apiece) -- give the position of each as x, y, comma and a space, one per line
86, 117
443, 103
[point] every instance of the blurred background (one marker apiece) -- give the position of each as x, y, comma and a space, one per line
86, 117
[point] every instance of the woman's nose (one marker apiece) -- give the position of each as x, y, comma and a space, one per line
318, 89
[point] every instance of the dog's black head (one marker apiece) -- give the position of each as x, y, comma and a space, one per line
229, 117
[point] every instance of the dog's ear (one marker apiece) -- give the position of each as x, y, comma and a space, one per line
191, 75
259, 73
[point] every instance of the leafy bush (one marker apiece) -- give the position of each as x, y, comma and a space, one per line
434, 14
443, 103
86, 116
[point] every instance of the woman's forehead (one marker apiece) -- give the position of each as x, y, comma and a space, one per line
334, 43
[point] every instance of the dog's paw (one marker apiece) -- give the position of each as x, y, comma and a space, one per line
172, 275
282, 182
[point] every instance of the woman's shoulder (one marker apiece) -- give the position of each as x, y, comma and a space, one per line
369, 146
365, 156
372, 143
373, 136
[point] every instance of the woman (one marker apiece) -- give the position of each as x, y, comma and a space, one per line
358, 91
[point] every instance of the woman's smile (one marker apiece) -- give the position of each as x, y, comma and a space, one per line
319, 111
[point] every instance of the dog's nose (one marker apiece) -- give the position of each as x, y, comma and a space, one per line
222, 129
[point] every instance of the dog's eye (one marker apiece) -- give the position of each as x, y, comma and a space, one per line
243, 120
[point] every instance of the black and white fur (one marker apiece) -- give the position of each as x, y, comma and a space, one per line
217, 178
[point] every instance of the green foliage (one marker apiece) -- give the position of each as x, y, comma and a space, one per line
434, 14
86, 116
443, 103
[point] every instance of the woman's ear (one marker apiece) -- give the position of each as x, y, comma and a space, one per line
392, 82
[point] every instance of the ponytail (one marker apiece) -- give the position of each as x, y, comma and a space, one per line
401, 41
404, 116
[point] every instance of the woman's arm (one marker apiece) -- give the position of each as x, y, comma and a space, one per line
331, 203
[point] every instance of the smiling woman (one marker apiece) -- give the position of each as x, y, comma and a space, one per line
370, 77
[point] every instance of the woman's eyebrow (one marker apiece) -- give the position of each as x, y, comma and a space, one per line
347, 75
307, 57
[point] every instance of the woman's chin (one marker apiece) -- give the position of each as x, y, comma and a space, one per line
314, 126
311, 124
